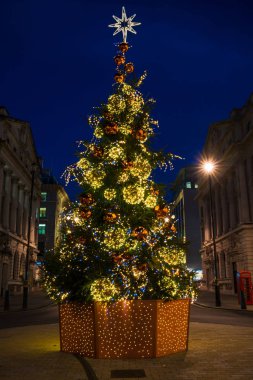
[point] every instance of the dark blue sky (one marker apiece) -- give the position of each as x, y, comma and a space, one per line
56, 64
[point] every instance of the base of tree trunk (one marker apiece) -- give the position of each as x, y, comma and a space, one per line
125, 329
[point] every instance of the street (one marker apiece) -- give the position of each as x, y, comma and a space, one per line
30, 340
49, 314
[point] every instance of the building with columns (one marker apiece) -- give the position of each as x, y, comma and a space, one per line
230, 145
18, 158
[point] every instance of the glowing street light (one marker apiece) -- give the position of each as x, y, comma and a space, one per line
209, 168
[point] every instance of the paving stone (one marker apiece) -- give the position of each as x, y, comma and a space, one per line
216, 352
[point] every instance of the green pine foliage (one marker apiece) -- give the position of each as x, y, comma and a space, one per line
119, 239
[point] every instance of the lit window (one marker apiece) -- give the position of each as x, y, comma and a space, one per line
188, 185
42, 229
43, 197
43, 212
196, 186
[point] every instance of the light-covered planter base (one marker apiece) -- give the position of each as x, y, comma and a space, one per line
125, 329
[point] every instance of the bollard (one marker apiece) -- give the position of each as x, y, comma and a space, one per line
242, 299
6, 300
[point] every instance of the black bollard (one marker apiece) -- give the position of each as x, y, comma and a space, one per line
6, 300
242, 299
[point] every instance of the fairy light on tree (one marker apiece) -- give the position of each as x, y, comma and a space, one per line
119, 236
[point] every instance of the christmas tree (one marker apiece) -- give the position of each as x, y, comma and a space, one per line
119, 239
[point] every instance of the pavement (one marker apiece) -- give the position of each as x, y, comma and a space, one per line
216, 352
228, 301
36, 300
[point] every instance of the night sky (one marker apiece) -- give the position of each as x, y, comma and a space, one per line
56, 64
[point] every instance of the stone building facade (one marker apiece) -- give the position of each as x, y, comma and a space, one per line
53, 200
230, 144
186, 210
18, 158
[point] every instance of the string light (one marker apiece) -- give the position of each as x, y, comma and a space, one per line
145, 329
119, 256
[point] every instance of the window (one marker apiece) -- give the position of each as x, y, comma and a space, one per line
188, 185
43, 197
43, 212
42, 229
196, 186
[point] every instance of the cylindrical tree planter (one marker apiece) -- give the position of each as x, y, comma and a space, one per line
125, 329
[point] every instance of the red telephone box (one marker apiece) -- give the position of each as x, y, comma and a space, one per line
245, 285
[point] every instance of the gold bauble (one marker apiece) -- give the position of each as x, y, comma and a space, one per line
127, 165
111, 129
140, 135
119, 60
97, 152
161, 211
110, 217
151, 201
110, 193
133, 194
86, 199
123, 47
140, 233
85, 214
129, 68
119, 78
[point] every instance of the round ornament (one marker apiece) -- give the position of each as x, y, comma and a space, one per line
119, 78
103, 289
161, 211
123, 47
85, 214
97, 152
140, 135
110, 193
111, 129
117, 259
114, 237
86, 199
173, 228
129, 68
140, 233
151, 201
127, 165
110, 217
154, 191
119, 60
133, 194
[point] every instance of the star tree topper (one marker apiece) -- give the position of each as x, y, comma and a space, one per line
124, 24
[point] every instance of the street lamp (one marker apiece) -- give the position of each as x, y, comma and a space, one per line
209, 167
26, 279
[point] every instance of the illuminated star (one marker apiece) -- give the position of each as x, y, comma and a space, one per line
124, 24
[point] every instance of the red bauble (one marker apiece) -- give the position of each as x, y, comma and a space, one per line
140, 135
85, 214
129, 68
119, 60
86, 199
127, 165
111, 129
97, 151
161, 211
119, 78
140, 233
123, 47
110, 217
